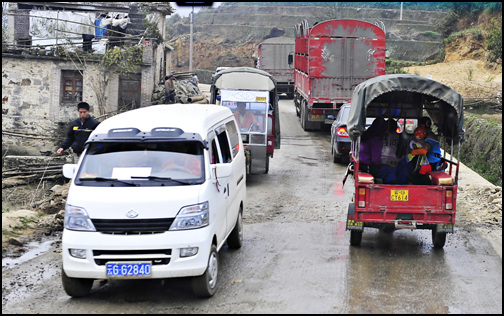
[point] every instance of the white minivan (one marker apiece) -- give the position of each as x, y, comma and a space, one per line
156, 194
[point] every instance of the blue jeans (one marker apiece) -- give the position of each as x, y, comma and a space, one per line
170, 97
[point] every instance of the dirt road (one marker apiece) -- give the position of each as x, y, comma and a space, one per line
296, 256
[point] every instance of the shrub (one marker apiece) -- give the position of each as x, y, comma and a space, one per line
494, 39
431, 34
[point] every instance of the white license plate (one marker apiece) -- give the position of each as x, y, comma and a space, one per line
128, 269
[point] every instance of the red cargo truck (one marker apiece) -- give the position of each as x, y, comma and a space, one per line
331, 59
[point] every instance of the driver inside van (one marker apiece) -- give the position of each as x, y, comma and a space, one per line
245, 119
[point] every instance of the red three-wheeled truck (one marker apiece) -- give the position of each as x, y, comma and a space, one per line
390, 206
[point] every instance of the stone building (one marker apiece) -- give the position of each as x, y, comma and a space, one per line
41, 89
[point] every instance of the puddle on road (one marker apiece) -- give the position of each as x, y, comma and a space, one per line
35, 249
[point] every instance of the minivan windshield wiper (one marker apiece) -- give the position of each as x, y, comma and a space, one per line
162, 178
107, 179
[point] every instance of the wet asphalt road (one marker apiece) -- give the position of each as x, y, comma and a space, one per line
296, 257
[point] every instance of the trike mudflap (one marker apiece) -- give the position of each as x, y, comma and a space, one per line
351, 223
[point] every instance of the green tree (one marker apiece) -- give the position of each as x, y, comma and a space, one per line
494, 39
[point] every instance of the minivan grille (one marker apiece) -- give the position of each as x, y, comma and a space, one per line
150, 225
156, 256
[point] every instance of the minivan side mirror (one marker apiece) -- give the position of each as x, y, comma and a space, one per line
223, 170
69, 170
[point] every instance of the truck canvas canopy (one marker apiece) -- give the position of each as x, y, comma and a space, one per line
233, 78
406, 96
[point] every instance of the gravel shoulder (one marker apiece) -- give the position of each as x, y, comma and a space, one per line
480, 206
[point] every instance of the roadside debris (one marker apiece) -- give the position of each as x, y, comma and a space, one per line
186, 90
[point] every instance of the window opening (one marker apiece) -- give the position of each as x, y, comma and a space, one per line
72, 87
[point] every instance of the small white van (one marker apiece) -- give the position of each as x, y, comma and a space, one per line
156, 194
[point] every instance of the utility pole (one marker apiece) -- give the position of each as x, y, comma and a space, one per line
400, 15
191, 42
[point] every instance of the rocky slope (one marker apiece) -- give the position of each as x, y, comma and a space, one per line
229, 35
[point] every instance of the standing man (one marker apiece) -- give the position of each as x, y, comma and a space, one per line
169, 89
79, 131
195, 80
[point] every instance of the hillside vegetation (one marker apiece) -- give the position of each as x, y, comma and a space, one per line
482, 150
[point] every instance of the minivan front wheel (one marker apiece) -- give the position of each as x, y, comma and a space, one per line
76, 287
206, 284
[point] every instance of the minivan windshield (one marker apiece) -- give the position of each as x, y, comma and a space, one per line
142, 164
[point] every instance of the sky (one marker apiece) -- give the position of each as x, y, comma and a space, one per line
185, 11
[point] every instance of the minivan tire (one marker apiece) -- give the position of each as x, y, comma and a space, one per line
206, 284
76, 287
235, 239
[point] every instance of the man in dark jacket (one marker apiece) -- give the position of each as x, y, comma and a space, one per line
79, 131
169, 89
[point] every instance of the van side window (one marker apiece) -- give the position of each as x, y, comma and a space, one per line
224, 145
234, 137
214, 154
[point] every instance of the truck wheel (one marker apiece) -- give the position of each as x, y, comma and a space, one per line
76, 287
206, 284
304, 116
296, 103
235, 239
355, 237
438, 238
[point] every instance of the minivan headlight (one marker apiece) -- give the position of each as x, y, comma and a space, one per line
192, 216
76, 218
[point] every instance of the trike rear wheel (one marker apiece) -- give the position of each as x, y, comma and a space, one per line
355, 237
438, 238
